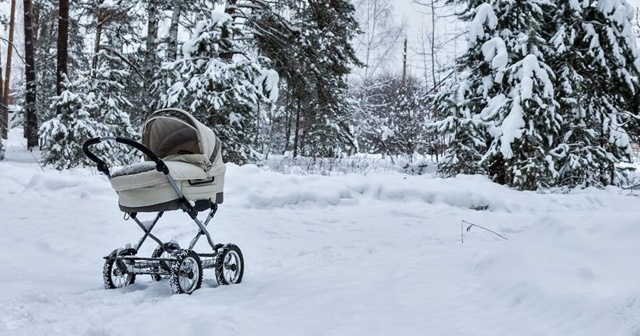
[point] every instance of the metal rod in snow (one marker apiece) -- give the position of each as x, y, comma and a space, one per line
479, 226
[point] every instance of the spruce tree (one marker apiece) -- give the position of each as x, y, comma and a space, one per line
526, 125
222, 93
61, 137
474, 91
597, 84
90, 106
501, 114
559, 104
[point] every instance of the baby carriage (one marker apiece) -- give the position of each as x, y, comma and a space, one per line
183, 170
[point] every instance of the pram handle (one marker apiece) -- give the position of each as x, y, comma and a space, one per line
102, 166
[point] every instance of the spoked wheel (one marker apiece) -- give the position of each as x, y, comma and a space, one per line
229, 265
165, 266
114, 272
186, 272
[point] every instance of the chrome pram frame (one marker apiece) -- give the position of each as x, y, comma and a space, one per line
183, 267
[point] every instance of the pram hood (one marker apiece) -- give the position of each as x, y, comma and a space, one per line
175, 135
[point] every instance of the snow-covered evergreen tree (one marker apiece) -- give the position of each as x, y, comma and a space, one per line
222, 93
1, 149
461, 104
90, 106
597, 66
61, 137
549, 86
524, 123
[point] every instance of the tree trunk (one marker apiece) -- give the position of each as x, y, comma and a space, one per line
433, 43
404, 65
229, 9
96, 47
150, 58
173, 30
297, 131
4, 113
63, 43
7, 87
31, 121
287, 123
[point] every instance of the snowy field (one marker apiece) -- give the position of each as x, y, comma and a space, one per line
352, 254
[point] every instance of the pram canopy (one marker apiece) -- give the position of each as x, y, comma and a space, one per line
175, 135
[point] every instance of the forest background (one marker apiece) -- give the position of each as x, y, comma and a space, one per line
478, 87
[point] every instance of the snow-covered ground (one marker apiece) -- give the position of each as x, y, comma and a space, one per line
351, 254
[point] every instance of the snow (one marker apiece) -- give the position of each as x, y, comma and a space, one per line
495, 51
271, 84
512, 128
530, 67
348, 254
484, 16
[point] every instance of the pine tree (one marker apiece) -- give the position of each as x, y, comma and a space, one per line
312, 53
222, 93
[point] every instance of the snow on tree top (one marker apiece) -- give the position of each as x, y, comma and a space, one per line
484, 16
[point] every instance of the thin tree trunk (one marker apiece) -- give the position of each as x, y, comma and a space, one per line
297, 131
229, 9
4, 113
173, 30
404, 64
287, 124
31, 121
63, 43
433, 43
96, 47
7, 81
150, 58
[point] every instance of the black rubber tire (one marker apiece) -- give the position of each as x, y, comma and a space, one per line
181, 281
229, 265
166, 266
111, 275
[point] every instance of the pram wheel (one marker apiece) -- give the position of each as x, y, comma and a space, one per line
229, 265
164, 266
186, 272
114, 272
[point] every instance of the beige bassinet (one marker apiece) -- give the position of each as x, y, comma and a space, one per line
189, 149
